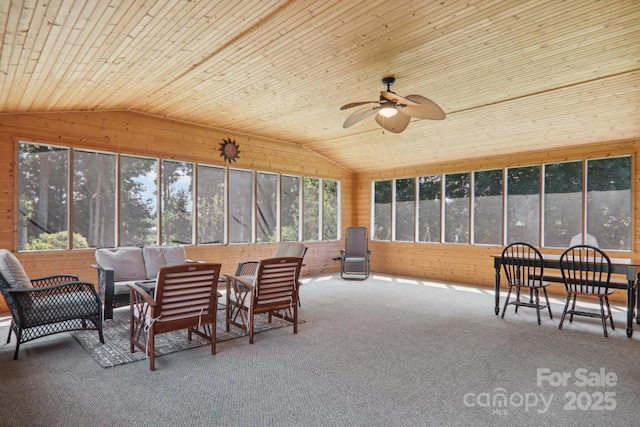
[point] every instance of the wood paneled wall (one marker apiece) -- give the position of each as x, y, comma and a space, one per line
131, 133
472, 264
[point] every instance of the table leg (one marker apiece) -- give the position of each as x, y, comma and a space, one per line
631, 303
497, 290
637, 307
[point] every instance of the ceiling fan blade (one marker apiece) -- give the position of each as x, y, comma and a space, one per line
391, 96
395, 124
355, 104
423, 109
360, 115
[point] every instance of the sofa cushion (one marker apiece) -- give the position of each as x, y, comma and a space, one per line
156, 257
126, 262
12, 271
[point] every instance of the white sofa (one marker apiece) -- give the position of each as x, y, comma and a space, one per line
120, 266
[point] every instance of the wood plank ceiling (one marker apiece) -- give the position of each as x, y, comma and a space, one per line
510, 75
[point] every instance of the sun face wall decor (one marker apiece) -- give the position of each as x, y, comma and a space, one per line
229, 150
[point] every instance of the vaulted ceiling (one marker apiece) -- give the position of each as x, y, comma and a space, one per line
510, 75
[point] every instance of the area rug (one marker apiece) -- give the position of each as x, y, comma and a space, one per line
115, 350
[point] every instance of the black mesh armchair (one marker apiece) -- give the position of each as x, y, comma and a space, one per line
47, 305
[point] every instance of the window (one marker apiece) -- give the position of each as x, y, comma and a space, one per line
562, 203
405, 209
122, 200
290, 208
240, 206
267, 207
177, 203
382, 210
138, 201
311, 212
210, 204
487, 207
94, 198
42, 198
330, 208
523, 205
456, 214
429, 208
609, 202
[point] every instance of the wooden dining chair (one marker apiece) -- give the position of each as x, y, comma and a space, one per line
586, 272
524, 270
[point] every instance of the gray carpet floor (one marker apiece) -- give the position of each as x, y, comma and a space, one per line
387, 351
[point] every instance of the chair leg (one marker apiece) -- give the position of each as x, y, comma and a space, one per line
573, 308
152, 349
132, 331
251, 329
18, 334
15, 354
295, 319
227, 312
603, 316
536, 295
517, 298
546, 297
506, 303
606, 299
212, 334
564, 311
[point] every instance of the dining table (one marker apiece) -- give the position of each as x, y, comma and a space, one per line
627, 267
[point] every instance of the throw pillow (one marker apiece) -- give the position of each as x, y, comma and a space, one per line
12, 270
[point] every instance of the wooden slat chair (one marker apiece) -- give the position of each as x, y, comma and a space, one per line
273, 290
524, 270
586, 271
284, 249
186, 297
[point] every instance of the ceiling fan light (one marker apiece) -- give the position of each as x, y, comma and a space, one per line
388, 110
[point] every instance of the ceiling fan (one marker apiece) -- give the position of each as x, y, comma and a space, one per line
394, 111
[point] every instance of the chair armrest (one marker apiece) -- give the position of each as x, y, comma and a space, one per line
141, 293
238, 283
142, 306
